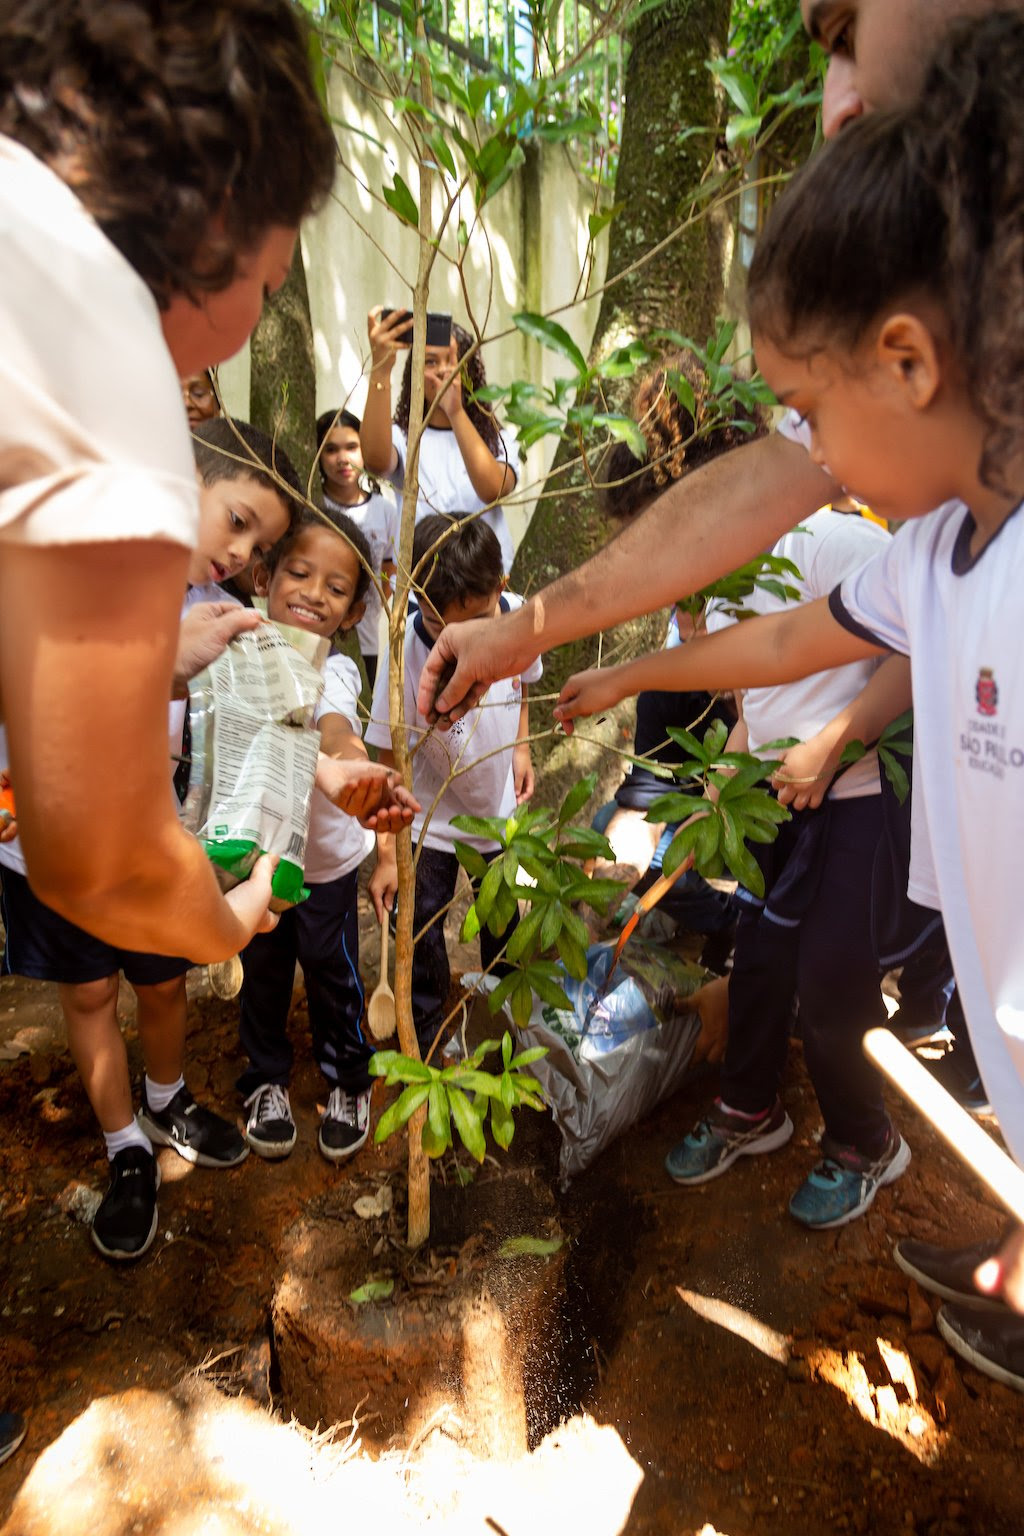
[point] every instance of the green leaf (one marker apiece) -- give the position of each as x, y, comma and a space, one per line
506, 1049
624, 430
577, 798
471, 925
489, 887
548, 990
471, 859
467, 1123
852, 753
373, 1290
551, 335
502, 1124
522, 1003
402, 202
433, 1145
438, 1117
739, 858
396, 1114
525, 935
895, 773
530, 1247
490, 827
737, 129
573, 955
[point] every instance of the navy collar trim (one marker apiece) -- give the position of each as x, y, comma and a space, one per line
421, 629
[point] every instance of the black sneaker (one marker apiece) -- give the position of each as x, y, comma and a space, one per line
125, 1224
270, 1129
345, 1124
993, 1343
949, 1272
195, 1133
12, 1433
961, 1079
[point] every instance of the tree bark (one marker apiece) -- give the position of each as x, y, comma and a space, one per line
282, 389
667, 88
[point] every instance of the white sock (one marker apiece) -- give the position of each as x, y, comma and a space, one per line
159, 1095
131, 1136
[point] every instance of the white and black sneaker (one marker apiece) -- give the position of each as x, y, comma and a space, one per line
270, 1128
196, 1134
345, 1124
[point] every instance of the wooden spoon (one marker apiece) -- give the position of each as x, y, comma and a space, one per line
380, 1013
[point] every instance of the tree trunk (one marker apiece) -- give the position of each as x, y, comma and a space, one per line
667, 88
282, 390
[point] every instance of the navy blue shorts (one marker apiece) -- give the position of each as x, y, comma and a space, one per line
44, 945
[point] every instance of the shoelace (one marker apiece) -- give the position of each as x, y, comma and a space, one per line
273, 1103
344, 1106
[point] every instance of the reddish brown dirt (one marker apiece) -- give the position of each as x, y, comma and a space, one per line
724, 1434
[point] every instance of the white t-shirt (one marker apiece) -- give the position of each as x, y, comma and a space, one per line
378, 519
826, 548
94, 445
337, 844
484, 738
445, 485
960, 624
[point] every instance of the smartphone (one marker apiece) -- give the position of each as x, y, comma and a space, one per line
439, 327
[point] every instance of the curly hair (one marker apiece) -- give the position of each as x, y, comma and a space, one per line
924, 202
479, 414
186, 128
677, 439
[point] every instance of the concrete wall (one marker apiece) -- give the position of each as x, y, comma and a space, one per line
528, 254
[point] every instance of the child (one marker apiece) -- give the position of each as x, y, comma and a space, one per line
885, 299
316, 579
341, 470
459, 568
243, 507
466, 462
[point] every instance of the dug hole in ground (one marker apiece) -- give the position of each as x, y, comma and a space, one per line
674, 1361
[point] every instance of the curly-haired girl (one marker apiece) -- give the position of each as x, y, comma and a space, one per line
886, 304
467, 463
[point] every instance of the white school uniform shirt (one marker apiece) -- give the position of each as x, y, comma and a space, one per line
484, 738
445, 485
959, 621
94, 443
826, 548
378, 519
336, 844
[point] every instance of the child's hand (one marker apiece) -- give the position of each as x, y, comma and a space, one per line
370, 792
383, 883
805, 773
522, 773
387, 337
587, 693
8, 820
712, 1003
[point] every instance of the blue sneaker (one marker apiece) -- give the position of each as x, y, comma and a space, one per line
845, 1183
720, 1138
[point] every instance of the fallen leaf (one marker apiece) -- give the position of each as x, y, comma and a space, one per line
373, 1290
539, 1247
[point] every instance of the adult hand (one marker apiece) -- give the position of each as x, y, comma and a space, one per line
587, 693
468, 658
250, 901
206, 630
1003, 1275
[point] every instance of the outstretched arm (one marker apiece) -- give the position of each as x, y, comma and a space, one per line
702, 527
778, 648
84, 685
371, 792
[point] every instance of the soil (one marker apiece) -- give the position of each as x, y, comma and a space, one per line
764, 1379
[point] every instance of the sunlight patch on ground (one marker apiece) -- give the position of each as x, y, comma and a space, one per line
893, 1406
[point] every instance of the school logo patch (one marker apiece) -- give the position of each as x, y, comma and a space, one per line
986, 692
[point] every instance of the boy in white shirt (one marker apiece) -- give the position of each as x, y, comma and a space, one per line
481, 767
